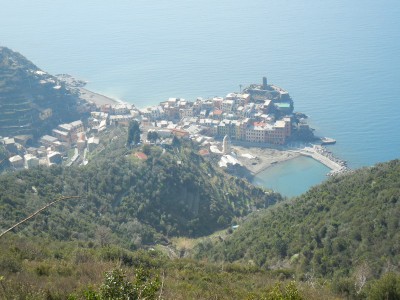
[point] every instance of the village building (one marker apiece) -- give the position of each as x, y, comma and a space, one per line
10, 145
256, 133
186, 112
92, 143
64, 136
54, 158
228, 160
217, 102
204, 153
120, 109
17, 161
47, 140
60, 146
31, 161
180, 133
32, 150
81, 143
141, 155
120, 119
227, 105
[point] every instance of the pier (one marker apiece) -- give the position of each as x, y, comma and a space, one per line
322, 155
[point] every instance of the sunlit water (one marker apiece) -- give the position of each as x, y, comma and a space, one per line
292, 177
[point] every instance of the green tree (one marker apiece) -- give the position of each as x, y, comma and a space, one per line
176, 143
133, 133
386, 288
279, 292
152, 136
3, 158
146, 149
117, 287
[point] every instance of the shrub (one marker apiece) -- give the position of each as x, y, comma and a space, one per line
388, 287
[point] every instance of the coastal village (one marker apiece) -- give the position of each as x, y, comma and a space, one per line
259, 116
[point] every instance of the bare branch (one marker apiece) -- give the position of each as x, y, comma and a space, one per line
37, 212
162, 285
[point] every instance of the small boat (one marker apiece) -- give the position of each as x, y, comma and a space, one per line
327, 141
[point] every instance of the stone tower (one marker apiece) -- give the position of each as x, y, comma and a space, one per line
264, 85
226, 145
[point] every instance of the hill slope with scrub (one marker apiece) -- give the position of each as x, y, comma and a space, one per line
347, 225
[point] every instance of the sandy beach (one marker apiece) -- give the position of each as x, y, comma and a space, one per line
85, 94
96, 98
257, 159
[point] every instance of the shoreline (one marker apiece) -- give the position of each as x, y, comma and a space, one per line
85, 94
96, 98
264, 158
254, 157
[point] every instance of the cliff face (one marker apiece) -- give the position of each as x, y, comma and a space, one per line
31, 101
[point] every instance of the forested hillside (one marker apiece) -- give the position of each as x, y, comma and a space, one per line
347, 226
127, 200
339, 240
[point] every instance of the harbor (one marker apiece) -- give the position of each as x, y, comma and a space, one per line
293, 170
324, 156
258, 159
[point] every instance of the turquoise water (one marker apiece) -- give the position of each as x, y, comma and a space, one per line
292, 177
338, 59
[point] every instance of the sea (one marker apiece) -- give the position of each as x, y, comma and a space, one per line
338, 59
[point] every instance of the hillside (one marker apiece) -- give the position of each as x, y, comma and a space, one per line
31, 101
37, 268
345, 230
346, 226
129, 201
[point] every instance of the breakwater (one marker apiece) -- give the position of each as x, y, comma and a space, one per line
325, 157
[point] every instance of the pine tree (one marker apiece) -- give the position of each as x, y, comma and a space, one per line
133, 133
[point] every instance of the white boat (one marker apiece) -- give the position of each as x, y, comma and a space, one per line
327, 141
